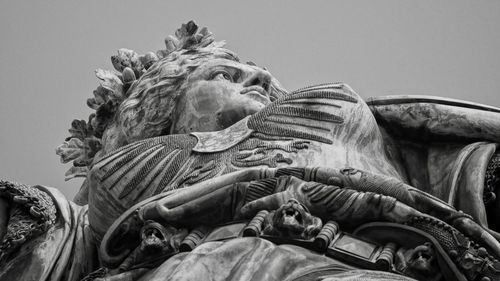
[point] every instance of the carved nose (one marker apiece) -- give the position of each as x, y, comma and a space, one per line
260, 78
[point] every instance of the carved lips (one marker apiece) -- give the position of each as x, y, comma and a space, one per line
257, 93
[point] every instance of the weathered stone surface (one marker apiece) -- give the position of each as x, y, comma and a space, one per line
190, 151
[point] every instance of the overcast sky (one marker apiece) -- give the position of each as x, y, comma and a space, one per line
49, 50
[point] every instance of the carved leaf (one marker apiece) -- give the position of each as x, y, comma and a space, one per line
74, 149
93, 145
76, 172
218, 44
148, 59
104, 115
186, 29
101, 95
162, 53
127, 58
128, 75
111, 82
84, 140
92, 103
78, 129
188, 36
171, 43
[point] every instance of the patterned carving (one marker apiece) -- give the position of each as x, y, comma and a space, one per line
291, 124
194, 238
386, 258
492, 179
164, 163
32, 212
200, 172
285, 118
259, 189
471, 258
254, 227
255, 152
326, 235
155, 163
85, 137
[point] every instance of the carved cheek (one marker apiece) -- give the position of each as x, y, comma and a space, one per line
197, 109
236, 109
205, 100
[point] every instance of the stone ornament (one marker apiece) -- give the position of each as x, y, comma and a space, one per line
200, 167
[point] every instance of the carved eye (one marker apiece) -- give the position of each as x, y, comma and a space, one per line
222, 75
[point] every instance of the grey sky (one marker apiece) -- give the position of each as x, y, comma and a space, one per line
49, 50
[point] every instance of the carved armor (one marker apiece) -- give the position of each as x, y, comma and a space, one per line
201, 167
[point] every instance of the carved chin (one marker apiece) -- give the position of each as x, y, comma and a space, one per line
229, 117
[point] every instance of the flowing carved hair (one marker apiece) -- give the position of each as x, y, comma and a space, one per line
147, 112
137, 99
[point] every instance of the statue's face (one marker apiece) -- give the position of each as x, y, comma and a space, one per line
219, 93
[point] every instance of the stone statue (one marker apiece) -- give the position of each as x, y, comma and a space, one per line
200, 167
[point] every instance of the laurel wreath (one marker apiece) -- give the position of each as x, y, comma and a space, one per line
85, 136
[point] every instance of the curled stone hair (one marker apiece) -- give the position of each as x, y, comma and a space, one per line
148, 109
137, 99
